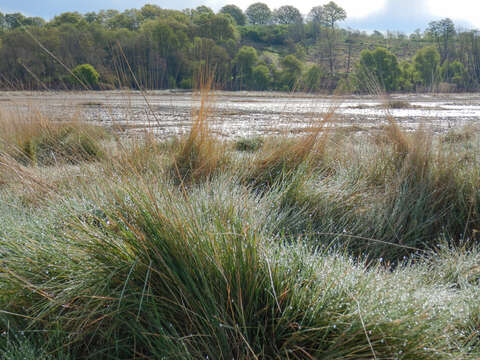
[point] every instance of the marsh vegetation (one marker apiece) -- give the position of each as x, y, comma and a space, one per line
328, 244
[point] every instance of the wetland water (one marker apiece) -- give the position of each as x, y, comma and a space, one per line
247, 113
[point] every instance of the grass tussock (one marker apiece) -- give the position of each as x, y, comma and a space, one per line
141, 156
280, 160
200, 277
399, 104
251, 144
37, 139
199, 154
459, 135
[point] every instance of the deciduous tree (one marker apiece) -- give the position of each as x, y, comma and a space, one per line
455, 73
377, 68
262, 77
13, 21
427, 61
258, 14
287, 15
235, 12
332, 14
150, 11
443, 33
244, 61
291, 73
316, 18
313, 78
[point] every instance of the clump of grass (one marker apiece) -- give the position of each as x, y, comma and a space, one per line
200, 154
251, 144
91, 103
142, 155
162, 274
39, 140
279, 161
385, 200
459, 135
399, 104
130, 264
23, 350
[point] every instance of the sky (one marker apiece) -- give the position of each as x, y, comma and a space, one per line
382, 15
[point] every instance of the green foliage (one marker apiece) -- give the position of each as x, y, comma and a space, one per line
202, 10
67, 18
165, 36
316, 15
236, 13
454, 72
291, 72
14, 20
217, 27
378, 68
86, 75
244, 61
427, 61
150, 11
345, 86
251, 144
258, 14
3, 24
268, 34
186, 83
442, 32
332, 13
262, 77
129, 19
409, 77
313, 78
211, 58
158, 44
287, 15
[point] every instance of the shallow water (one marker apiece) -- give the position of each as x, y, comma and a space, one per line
238, 114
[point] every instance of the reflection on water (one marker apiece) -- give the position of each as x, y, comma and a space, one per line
247, 113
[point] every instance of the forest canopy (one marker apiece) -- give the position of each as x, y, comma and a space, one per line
253, 49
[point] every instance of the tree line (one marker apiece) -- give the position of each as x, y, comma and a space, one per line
255, 49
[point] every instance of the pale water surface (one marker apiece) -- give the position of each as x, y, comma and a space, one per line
238, 114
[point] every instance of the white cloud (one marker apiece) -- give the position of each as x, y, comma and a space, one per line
466, 10
359, 9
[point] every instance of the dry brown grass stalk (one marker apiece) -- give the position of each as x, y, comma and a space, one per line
200, 154
34, 138
25, 181
281, 159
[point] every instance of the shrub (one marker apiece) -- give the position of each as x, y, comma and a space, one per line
186, 83
86, 76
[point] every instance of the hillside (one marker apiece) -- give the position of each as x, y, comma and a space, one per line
258, 49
